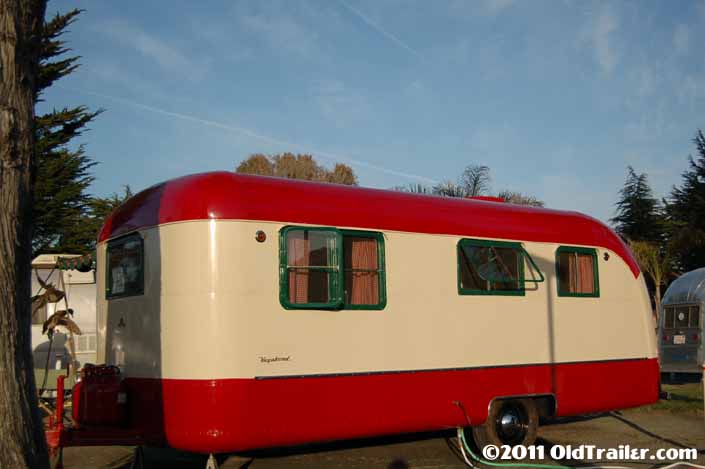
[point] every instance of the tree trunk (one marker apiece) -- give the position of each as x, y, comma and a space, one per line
22, 443
657, 298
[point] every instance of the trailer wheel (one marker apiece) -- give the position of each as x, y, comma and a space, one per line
509, 422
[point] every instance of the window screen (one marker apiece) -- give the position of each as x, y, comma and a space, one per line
576, 269
125, 267
490, 267
86, 343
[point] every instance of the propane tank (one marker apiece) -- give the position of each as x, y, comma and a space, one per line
100, 397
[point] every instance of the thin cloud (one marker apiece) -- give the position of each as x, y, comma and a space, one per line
339, 104
258, 136
681, 39
380, 29
496, 6
691, 89
282, 33
478, 8
598, 35
646, 82
606, 24
152, 47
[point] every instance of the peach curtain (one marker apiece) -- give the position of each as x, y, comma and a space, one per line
298, 251
586, 275
581, 273
572, 272
361, 276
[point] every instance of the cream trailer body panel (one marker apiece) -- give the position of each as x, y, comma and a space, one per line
219, 319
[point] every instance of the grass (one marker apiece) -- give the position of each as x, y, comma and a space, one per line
684, 398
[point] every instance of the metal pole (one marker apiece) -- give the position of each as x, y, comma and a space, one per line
60, 403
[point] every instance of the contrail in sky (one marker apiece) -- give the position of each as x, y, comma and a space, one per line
250, 133
380, 29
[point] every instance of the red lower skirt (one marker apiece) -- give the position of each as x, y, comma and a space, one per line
227, 415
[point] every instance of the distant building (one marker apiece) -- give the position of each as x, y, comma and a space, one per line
80, 289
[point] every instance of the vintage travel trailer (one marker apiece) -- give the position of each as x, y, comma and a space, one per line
681, 324
80, 289
247, 312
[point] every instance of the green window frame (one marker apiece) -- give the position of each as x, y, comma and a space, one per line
335, 268
483, 243
595, 272
132, 288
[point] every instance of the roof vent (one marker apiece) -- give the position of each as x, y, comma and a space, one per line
486, 198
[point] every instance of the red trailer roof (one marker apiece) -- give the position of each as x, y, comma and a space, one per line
224, 195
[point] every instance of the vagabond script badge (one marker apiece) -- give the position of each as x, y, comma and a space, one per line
274, 359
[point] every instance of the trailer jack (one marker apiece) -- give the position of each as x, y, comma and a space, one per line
212, 462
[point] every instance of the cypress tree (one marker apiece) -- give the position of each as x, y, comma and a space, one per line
686, 212
639, 216
62, 172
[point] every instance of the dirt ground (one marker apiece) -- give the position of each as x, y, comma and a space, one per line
659, 426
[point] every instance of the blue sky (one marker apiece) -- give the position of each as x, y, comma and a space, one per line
556, 97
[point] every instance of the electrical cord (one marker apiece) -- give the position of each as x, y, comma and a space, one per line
462, 443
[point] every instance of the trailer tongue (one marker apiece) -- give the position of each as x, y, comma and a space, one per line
98, 413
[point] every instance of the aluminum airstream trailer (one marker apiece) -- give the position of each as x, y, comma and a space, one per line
247, 312
681, 324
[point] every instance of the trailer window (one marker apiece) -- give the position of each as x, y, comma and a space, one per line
682, 316
490, 268
576, 269
326, 268
363, 270
125, 267
312, 267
